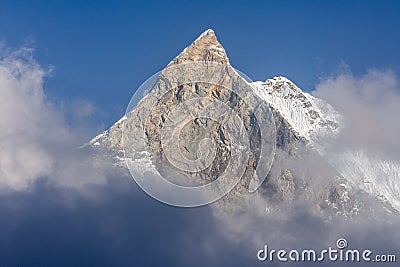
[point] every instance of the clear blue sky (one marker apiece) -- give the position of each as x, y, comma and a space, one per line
103, 50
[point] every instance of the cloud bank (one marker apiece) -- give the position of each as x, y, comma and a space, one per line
370, 105
36, 139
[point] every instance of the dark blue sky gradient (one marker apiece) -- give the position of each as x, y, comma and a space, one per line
102, 51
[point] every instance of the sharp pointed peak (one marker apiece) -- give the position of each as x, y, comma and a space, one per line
205, 48
205, 33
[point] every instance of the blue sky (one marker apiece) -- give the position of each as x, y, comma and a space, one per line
102, 51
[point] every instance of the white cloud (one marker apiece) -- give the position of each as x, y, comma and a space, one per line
371, 106
35, 140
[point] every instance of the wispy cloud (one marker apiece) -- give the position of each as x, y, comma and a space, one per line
370, 104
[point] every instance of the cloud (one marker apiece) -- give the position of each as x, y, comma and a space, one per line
301, 228
370, 105
36, 138
122, 226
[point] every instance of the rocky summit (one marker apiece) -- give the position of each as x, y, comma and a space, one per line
299, 171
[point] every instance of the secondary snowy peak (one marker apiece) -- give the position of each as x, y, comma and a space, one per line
205, 48
309, 116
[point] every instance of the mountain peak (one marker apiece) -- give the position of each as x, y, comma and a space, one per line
206, 48
208, 31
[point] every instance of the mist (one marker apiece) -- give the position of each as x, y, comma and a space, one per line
370, 104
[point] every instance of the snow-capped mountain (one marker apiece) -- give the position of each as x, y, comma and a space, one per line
344, 184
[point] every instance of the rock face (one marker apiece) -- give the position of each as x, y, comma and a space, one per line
201, 122
205, 48
298, 170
